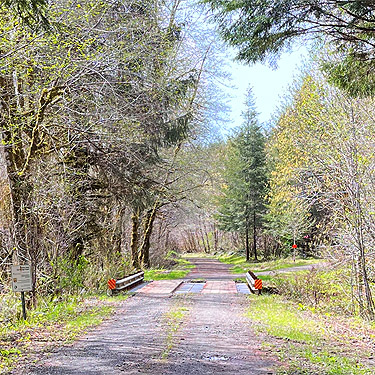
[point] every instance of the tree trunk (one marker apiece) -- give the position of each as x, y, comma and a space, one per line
144, 253
200, 231
207, 239
265, 247
247, 247
134, 239
22, 137
362, 269
255, 237
216, 238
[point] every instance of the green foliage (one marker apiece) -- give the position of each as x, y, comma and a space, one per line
335, 364
112, 68
281, 319
263, 29
181, 267
321, 189
240, 265
308, 345
173, 320
71, 274
8, 357
242, 204
197, 255
32, 12
292, 215
162, 274
74, 327
9, 308
245, 176
326, 291
62, 319
83, 275
352, 75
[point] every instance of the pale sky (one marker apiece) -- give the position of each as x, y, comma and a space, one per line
269, 85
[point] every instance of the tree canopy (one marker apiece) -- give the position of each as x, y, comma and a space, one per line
31, 12
263, 29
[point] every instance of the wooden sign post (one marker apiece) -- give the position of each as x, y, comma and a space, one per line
22, 282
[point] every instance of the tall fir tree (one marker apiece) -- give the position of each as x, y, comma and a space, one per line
242, 203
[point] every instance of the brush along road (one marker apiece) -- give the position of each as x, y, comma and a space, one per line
160, 331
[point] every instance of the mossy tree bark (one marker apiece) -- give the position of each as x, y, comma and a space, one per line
148, 225
24, 141
135, 239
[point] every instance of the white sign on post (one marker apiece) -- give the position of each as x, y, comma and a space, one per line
21, 278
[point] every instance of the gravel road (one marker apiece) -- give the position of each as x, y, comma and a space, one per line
213, 336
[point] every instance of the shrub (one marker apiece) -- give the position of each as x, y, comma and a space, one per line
327, 291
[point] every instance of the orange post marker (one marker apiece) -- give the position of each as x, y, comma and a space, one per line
112, 284
258, 284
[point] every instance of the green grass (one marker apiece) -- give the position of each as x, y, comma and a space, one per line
173, 321
267, 277
197, 255
281, 319
60, 320
325, 290
239, 264
308, 347
79, 324
267, 280
334, 364
8, 357
114, 298
179, 272
162, 274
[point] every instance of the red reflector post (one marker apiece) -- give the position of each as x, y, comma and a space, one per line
112, 284
258, 284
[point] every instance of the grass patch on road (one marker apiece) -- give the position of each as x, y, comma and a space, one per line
198, 255
182, 268
311, 343
173, 321
163, 274
240, 265
52, 323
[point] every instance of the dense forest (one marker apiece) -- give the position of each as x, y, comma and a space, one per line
110, 156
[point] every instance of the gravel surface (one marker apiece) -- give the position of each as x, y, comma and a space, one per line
218, 340
212, 337
129, 343
209, 269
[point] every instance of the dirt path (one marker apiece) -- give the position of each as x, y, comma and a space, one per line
157, 332
292, 269
209, 269
218, 340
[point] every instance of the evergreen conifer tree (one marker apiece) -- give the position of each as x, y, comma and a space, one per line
242, 204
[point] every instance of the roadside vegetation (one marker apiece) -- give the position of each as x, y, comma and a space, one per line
110, 158
59, 318
55, 322
316, 326
240, 265
310, 342
173, 321
178, 271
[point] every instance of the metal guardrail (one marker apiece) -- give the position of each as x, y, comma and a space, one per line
254, 283
126, 282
